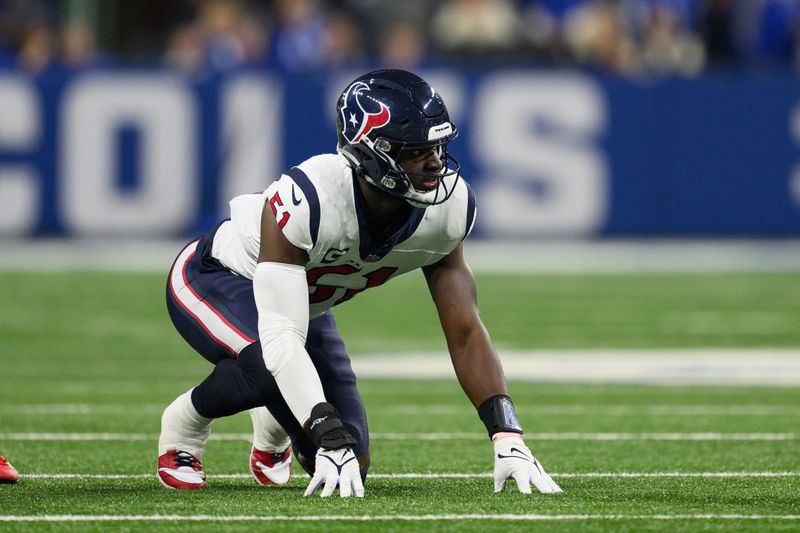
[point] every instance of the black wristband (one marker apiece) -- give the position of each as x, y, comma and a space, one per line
498, 415
326, 429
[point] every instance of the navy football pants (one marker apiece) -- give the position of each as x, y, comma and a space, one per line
215, 311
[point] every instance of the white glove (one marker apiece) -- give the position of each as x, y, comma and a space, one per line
513, 459
336, 466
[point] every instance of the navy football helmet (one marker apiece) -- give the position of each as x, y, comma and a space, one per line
383, 113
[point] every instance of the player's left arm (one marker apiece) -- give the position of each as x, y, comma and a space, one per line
480, 374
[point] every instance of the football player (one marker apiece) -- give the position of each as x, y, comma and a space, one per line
254, 296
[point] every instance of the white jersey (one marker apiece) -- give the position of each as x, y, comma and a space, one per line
320, 210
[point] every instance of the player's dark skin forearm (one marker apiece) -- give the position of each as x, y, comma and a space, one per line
475, 362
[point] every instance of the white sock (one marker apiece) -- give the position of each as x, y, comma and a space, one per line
268, 435
182, 427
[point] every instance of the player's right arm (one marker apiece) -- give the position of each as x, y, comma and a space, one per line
281, 294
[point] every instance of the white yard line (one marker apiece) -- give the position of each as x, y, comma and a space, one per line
388, 517
707, 436
458, 475
80, 409
712, 366
48, 409
605, 410
568, 436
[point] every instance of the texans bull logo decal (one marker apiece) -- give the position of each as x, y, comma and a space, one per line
362, 113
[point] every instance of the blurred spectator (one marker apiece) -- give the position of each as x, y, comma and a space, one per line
343, 44
476, 27
778, 28
300, 34
668, 46
375, 17
223, 36
543, 28
627, 37
185, 49
403, 46
542, 25
17, 18
36, 50
716, 24
26, 41
595, 35
78, 46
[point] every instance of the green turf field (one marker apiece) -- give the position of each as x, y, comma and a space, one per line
89, 360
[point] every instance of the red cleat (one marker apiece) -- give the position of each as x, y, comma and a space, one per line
181, 470
271, 468
8, 474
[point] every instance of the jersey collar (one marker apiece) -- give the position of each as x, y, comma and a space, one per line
371, 250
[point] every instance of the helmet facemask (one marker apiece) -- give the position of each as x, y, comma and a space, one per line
399, 183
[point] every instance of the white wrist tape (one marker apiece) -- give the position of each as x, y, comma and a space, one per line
281, 294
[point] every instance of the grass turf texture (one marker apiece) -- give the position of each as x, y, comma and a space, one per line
100, 347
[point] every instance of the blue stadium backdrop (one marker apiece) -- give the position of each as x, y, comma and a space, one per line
147, 152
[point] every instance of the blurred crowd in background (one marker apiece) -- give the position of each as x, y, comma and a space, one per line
623, 37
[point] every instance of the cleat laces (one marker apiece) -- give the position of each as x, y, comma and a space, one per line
184, 459
277, 457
